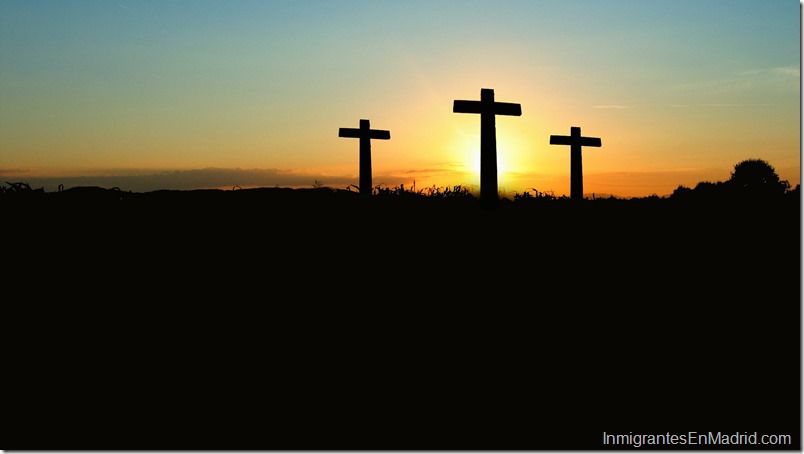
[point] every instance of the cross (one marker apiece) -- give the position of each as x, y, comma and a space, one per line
488, 110
365, 134
575, 141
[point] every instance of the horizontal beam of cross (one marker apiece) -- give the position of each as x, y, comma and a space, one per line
487, 105
575, 140
356, 133
477, 107
364, 131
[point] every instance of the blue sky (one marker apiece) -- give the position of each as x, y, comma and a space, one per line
678, 90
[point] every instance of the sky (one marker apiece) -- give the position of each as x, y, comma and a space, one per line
188, 94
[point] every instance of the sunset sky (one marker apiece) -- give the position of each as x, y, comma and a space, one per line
183, 94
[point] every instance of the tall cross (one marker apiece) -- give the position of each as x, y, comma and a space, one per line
365, 134
575, 141
488, 110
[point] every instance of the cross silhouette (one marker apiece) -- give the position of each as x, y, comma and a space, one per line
575, 141
365, 134
488, 110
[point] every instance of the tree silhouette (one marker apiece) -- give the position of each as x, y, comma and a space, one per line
756, 178
751, 180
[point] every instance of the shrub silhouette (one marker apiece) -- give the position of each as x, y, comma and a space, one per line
756, 178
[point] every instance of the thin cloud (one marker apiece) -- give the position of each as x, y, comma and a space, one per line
787, 71
729, 105
791, 71
714, 105
778, 80
612, 106
229, 178
208, 178
13, 171
428, 171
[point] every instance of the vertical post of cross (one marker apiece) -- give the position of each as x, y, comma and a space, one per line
365, 134
576, 142
488, 110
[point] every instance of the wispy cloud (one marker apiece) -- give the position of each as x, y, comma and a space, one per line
729, 105
611, 106
785, 71
766, 81
229, 178
725, 105
128, 180
17, 171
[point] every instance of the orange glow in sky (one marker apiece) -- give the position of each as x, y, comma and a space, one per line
147, 94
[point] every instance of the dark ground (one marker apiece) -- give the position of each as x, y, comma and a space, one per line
279, 319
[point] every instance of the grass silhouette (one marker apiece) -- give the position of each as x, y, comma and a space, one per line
319, 318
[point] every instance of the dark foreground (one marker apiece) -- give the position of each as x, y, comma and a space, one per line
278, 319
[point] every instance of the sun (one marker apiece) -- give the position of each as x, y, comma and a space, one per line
516, 153
508, 152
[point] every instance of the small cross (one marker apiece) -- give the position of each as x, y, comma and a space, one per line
575, 141
365, 134
488, 110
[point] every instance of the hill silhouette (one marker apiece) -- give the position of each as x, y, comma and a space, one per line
318, 318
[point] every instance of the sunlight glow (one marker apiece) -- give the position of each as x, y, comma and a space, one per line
156, 93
